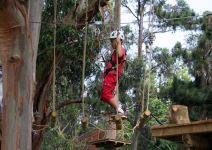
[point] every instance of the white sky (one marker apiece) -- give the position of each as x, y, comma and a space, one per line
169, 39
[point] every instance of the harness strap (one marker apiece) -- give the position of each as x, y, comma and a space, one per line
114, 65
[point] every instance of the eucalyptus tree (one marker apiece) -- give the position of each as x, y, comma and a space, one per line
19, 37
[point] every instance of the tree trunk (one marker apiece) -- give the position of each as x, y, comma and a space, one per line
117, 13
17, 56
42, 101
35, 12
135, 139
140, 34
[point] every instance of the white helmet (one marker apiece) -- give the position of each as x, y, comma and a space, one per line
116, 33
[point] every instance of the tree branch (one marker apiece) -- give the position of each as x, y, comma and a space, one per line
67, 102
77, 17
125, 5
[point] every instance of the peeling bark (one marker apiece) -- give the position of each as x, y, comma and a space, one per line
18, 52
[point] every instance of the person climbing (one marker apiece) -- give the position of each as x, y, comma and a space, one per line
110, 72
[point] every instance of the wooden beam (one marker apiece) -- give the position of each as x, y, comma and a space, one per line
67, 102
180, 129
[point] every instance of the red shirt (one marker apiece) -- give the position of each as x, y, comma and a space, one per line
121, 62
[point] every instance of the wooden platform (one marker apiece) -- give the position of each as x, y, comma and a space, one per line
123, 117
109, 143
198, 132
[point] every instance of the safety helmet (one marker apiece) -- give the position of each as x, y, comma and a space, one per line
114, 34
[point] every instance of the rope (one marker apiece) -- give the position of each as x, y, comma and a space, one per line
84, 56
76, 14
157, 119
132, 22
117, 72
54, 61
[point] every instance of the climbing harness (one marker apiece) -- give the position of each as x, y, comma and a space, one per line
114, 65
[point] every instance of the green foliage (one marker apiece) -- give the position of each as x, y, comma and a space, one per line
180, 15
191, 85
186, 93
160, 110
57, 140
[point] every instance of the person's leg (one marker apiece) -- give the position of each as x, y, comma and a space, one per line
107, 95
113, 102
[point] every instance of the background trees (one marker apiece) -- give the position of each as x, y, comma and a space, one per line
179, 75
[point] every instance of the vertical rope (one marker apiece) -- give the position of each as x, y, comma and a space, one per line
84, 56
76, 14
117, 71
150, 51
54, 61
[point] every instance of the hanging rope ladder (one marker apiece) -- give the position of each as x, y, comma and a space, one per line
84, 119
54, 113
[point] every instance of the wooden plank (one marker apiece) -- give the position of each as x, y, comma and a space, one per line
123, 117
180, 129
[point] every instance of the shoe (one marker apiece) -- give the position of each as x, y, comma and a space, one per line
120, 111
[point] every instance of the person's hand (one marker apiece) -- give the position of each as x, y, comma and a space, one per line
118, 40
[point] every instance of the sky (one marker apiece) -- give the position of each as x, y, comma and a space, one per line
169, 39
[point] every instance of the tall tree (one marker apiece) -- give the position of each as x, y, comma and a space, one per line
17, 45
18, 49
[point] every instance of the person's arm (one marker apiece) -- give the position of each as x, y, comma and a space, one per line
119, 47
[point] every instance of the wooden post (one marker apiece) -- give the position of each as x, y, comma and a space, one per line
84, 122
179, 114
118, 121
144, 118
